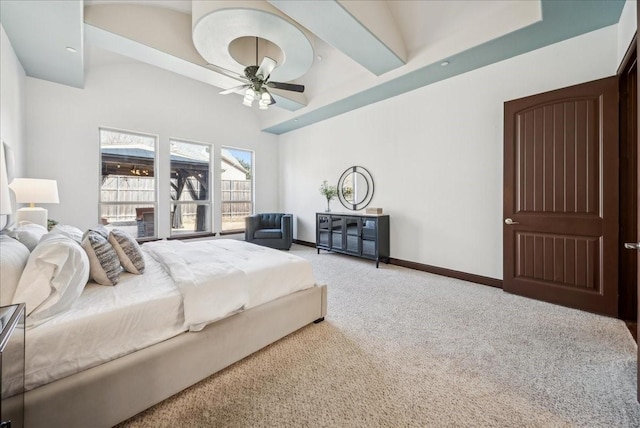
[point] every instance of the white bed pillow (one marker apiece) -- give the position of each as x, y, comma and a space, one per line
55, 275
128, 250
69, 231
103, 259
13, 259
28, 233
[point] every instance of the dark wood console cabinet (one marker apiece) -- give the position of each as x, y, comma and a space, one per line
360, 235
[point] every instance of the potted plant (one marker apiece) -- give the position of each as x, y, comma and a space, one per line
329, 192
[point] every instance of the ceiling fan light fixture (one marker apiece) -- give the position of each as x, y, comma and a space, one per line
264, 99
249, 96
263, 104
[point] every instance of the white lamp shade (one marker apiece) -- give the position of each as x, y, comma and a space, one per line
35, 191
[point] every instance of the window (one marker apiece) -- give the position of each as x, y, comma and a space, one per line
236, 172
190, 187
128, 182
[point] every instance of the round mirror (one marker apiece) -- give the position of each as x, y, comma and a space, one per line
355, 188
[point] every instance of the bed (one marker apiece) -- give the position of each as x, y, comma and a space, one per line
197, 308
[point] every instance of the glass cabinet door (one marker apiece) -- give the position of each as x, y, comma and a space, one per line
353, 229
369, 234
324, 231
336, 232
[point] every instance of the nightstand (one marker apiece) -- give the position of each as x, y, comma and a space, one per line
12, 320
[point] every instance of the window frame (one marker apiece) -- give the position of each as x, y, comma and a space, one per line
252, 189
209, 202
145, 204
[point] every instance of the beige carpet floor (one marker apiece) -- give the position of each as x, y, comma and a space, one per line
402, 348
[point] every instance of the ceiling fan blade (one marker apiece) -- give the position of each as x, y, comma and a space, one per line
272, 100
230, 90
286, 86
266, 67
226, 72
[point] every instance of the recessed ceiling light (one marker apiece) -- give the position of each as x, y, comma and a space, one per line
444, 63
319, 57
70, 49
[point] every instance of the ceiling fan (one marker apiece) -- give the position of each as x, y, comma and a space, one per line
257, 82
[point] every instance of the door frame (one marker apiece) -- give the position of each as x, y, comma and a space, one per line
628, 199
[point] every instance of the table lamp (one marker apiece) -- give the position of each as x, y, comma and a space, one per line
34, 191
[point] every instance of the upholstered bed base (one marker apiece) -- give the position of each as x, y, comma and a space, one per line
112, 392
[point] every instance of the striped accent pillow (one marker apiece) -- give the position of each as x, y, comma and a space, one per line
104, 264
128, 250
98, 229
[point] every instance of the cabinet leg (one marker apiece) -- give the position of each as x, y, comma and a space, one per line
318, 250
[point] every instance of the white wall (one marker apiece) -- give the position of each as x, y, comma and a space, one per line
626, 28
12, 106
63, 132
436, 154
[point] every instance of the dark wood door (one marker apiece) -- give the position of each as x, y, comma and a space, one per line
561, 196
638, 262
638, 225
638, 216
638, 253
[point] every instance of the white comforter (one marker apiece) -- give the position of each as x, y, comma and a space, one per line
219, 277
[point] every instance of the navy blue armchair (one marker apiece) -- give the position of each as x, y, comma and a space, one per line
273, 230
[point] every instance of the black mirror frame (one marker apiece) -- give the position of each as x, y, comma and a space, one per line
367, 197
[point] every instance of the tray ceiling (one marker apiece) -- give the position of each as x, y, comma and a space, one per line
363, 51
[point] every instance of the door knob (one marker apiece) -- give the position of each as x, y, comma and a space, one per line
632, 245
509, 221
